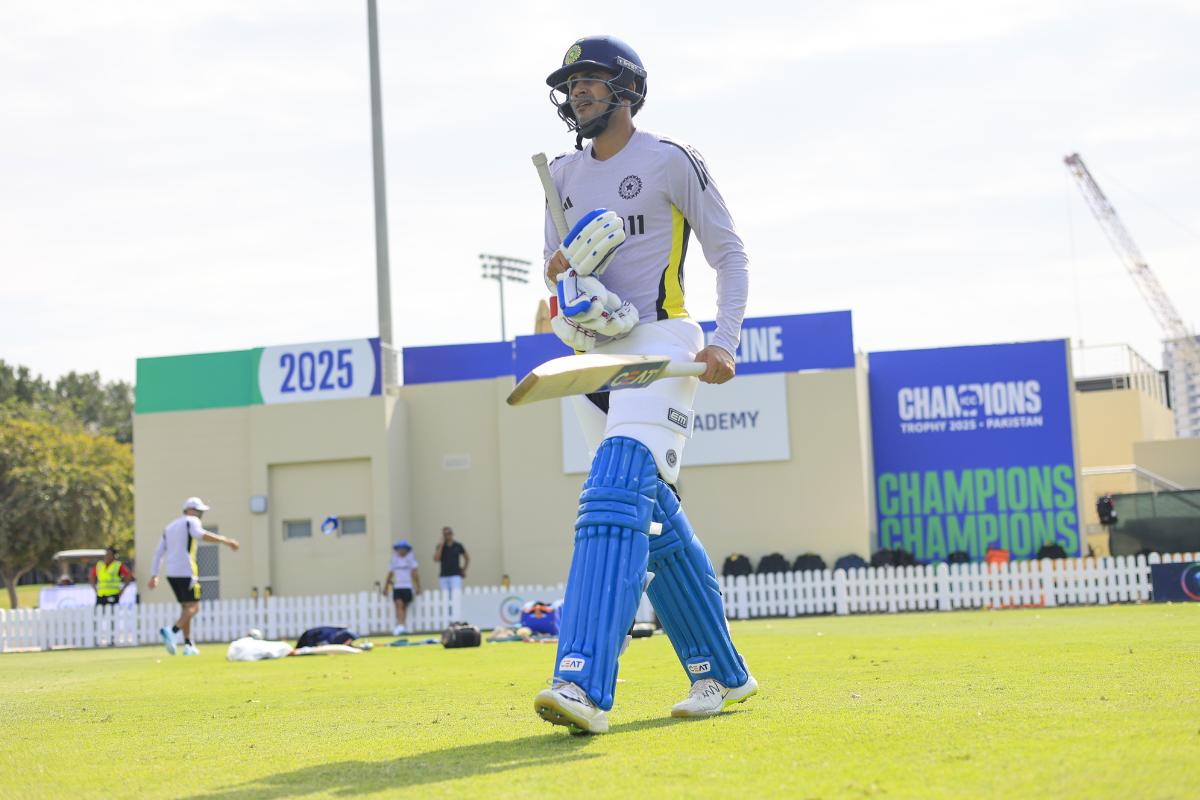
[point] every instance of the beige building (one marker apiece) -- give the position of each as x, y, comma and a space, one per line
405, 462
1127, 437
243, 431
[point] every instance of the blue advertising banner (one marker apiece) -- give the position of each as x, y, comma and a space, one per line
1176, 583
974, 449
769, 344
457, 362
793, 343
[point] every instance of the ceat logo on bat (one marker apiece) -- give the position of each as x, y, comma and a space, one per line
634, 376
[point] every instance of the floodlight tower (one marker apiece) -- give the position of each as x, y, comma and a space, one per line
501, 269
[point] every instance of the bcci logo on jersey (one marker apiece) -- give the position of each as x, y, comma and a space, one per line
630, 187
970, 406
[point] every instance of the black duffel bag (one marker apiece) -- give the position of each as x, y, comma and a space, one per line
460, 634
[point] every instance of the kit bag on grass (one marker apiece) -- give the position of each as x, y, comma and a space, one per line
460, 634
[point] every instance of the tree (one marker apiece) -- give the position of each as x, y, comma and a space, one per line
101, 407
59, 488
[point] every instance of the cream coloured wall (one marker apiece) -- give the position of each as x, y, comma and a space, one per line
456, 454
177, 455
453, 458
227, 455
312, 491
1177, 460
1110, 422
1113, 428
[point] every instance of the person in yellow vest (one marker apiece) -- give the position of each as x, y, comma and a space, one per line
109, 578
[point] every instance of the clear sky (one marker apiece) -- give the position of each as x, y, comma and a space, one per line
188, 177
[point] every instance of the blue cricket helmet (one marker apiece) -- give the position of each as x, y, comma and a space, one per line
599, 52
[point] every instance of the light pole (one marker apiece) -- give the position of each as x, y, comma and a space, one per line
501, 269
383, 281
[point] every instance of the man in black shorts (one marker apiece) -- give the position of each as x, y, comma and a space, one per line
178, 547
403, 581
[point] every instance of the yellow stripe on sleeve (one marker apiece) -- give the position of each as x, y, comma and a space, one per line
670, 287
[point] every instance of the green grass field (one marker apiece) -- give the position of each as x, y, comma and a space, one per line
27, 596
1072, 702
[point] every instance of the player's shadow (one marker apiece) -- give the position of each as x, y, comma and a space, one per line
347, 778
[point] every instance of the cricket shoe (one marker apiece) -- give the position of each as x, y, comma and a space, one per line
399, 630
565, 703
709, 697
168, 638
191, 650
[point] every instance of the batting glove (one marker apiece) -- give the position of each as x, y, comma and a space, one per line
574, 336
591, 243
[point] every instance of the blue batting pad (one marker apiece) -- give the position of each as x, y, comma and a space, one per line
687, 598
608, 567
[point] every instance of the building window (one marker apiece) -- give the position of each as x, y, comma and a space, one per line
208, 567
353, 525
297, 529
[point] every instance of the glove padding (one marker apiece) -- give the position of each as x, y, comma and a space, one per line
591, 243
579, 339
588, 308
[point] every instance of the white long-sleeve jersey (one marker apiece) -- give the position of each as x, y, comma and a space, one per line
178, 547
663, 191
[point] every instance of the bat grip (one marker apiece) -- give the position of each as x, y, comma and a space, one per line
685, 369
551, 191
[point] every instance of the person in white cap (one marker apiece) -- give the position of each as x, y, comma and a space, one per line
178, 546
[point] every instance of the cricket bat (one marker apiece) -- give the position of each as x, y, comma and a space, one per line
552, 198
554, 203
596, 372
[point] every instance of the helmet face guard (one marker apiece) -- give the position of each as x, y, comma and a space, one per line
605, 53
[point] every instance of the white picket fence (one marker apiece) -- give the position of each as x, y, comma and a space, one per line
366, 613
945, 587
1078, 581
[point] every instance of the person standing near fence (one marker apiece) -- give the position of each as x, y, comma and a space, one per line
404, 582
178, 547
454, 560
109, 578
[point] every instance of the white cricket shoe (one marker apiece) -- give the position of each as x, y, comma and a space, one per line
709, 696
399, 630
168, 639
565, 703
190, 650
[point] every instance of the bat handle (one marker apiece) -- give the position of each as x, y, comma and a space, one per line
685, 369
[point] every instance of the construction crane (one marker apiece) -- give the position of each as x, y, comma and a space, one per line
1179, 338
